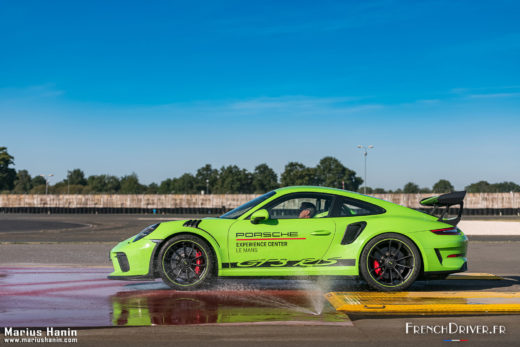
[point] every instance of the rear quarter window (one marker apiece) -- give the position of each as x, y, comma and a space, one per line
348, 207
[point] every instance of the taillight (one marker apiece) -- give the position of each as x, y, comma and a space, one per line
446, 231
455, 255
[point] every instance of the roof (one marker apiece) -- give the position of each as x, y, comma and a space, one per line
314, 189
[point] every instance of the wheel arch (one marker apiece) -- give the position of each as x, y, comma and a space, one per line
409, 236
214, 245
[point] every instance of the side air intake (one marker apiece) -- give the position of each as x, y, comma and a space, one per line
193, 223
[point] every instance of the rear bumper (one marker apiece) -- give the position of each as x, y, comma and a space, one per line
442, 253
442, 274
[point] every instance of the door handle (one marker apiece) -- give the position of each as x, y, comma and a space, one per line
320, 233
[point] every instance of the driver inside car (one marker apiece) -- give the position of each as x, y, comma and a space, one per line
307, 210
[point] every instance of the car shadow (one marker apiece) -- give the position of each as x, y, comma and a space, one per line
467, 284
324, 284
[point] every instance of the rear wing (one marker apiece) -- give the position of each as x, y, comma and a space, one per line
446, 201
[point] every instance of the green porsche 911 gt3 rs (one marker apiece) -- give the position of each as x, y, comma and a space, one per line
301, 231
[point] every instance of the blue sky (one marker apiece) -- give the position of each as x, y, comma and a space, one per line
162, 88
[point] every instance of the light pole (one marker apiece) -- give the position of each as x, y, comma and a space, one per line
46, 177
207, 186
365, 153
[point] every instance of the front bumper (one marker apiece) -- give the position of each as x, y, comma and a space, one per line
134, 260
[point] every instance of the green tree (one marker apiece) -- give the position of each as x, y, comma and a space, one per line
425, 190
352, 182
166, 186
38, 181
76, 177
331, 172
442, 186
112, 184
130, 185
63, 188
369, 190
380, 191
296, 174
479, 187
22, 183
152, 188
232, 179
410, 188
103, 184
7, 174
39, 189
264, 179
486, 187
505, 187
186, 184
206, 173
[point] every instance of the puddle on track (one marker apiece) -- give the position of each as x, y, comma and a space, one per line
83, 297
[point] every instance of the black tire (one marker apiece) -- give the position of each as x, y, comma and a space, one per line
390, 262
187, 262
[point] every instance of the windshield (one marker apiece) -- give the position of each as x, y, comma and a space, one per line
240, 210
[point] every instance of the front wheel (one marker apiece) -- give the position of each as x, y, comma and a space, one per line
390, 262
186, 262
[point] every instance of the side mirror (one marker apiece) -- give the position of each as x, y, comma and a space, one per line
259, 216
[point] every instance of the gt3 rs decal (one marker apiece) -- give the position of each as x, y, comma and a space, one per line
307, 262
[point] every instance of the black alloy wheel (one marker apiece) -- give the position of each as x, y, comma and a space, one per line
186, 262
390, 262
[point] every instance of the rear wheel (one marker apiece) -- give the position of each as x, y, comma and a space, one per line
186, 262
390, 262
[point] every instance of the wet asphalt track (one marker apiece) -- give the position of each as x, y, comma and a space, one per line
36, 292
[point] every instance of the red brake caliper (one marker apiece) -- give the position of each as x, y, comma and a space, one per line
198, 262
377, 269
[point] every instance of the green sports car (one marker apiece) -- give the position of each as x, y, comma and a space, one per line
302, 231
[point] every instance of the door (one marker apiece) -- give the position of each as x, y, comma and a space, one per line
297, 234
352, 218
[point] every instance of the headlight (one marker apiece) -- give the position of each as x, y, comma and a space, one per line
146, 231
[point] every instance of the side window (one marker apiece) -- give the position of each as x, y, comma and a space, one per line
301, 206
352, 207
